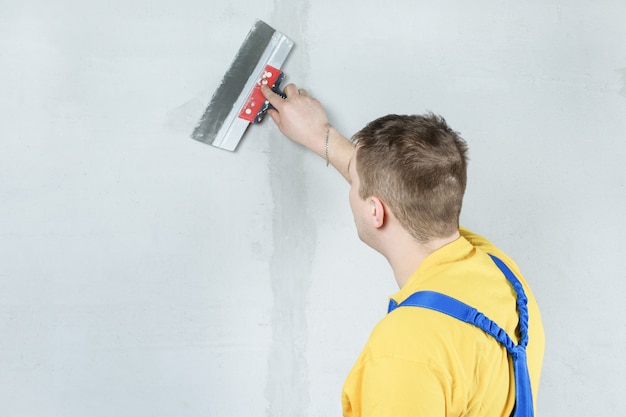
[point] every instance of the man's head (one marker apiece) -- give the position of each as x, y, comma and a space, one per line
417, 166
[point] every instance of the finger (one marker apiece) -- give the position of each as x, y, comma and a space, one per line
291, 90
303, 92
275, 116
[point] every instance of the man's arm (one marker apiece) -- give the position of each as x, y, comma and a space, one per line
303, 120
393, 387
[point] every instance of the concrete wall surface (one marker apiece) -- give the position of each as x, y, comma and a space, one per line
144, 274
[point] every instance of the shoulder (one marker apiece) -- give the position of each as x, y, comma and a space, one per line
410, 363
536, 345
428, 338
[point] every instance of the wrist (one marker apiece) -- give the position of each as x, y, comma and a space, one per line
340, 150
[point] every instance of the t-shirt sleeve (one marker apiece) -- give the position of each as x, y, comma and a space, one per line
393, 387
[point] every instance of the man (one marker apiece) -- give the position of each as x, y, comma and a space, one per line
408, 177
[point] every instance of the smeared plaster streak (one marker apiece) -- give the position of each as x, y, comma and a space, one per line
294, 242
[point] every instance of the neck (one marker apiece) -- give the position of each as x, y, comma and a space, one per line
408, 254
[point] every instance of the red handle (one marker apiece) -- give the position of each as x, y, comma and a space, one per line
256, 99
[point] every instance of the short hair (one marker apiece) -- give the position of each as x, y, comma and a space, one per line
417, 165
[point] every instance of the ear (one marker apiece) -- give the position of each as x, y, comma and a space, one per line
378, 212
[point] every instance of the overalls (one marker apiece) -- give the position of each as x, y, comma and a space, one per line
455, 308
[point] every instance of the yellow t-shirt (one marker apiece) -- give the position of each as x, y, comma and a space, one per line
420, 362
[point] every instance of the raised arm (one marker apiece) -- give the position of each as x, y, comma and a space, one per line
303, 120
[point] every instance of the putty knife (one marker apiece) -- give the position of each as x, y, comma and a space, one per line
238, 101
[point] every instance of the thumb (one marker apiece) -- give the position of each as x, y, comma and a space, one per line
274, 99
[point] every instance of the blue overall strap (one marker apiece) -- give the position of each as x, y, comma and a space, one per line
461, 311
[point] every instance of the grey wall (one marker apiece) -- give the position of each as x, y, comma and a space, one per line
145, 274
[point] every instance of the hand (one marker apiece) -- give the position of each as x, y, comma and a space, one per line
304, 121
299, 117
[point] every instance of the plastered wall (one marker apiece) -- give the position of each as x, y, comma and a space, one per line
145, 274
